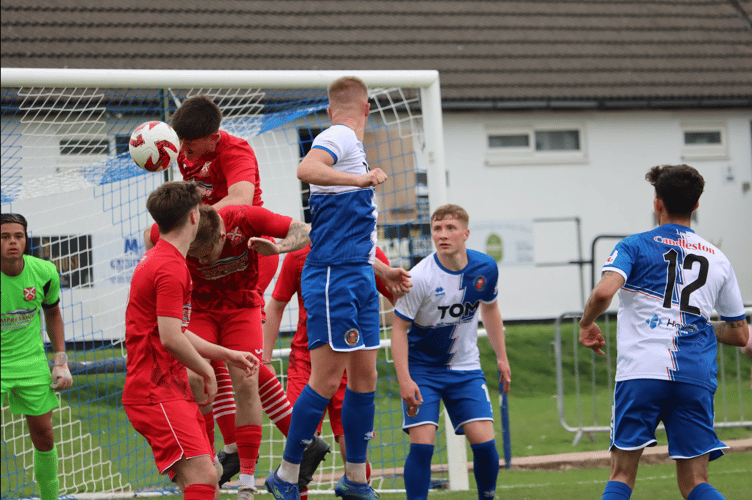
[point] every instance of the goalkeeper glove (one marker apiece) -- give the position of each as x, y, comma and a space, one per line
61, 375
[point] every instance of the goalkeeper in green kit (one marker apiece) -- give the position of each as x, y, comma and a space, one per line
31, 286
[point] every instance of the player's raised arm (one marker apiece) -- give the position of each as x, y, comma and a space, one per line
297, 237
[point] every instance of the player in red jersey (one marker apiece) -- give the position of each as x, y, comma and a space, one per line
299, 367
225, 169
156, 395
227, 304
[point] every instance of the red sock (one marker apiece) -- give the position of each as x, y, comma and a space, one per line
224, 403
368, 472
249, 441
274, 400
199, 492
304, 494
209, 425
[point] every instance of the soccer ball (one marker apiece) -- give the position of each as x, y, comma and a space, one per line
154, 146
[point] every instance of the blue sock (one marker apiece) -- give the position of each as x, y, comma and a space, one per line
704, 491
358, 410
486, 468
616, 490
418, 471
306, 415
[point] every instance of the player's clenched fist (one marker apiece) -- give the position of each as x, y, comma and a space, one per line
372, 178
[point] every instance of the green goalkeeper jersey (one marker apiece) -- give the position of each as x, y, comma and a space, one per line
23, 296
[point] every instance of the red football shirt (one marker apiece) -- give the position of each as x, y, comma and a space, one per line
288, 284
231, 282
161, 286
232, 161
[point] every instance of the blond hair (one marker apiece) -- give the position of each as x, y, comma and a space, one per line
450, 210
347, 89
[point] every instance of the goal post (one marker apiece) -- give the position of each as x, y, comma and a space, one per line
65, 166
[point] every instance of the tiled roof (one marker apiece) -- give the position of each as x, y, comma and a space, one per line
500, 52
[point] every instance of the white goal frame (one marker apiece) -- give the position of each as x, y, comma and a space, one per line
426, 80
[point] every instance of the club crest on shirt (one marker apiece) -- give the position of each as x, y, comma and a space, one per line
352, 336
479, 283
30, 293
612, 257
204, 172
235, 236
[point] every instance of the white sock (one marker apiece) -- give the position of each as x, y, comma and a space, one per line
231, 448
355, 473
247, 480
288, 472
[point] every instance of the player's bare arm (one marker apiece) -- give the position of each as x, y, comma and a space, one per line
747, 349
396, 279
296, 238
243, 360
409, 391
600, 299
494, 326
61, 376
240, 193
732, 332
177, 344
316, 168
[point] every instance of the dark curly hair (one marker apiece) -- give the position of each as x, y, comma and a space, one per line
678, 186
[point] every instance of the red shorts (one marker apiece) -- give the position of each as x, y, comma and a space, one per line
298, 374
238, 329
173, 429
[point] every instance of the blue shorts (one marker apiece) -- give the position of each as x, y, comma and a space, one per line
342, 305
686, 411
465, 396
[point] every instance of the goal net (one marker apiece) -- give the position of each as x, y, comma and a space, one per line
66, 167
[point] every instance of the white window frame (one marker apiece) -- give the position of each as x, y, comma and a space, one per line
704, 151
65, 162
496, 157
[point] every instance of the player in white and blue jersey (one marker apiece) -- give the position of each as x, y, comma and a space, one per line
435, 349
339, 291
669, 281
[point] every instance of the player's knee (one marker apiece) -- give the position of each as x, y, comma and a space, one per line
362, 381
245, 387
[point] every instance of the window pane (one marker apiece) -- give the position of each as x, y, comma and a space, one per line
557, 140
122, 144
509, 141
702, 137
84, 146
